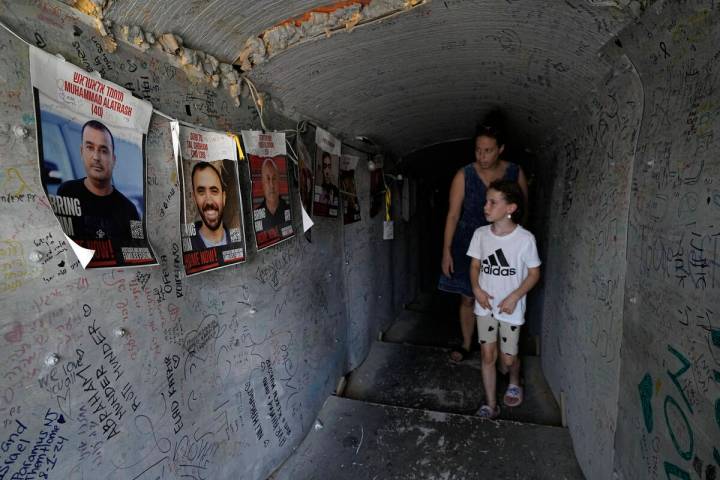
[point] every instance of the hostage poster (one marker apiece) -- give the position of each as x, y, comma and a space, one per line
211, 212
326, 198
377, 186
305, 174
348, 190
272, 216
91, 139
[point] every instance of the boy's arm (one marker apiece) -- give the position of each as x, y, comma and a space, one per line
481, 295
530, 281
508, 304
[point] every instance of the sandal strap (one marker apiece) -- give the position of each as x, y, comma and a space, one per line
513, 391
487, 412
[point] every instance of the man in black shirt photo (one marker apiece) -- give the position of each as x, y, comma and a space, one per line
99, 210
274, 206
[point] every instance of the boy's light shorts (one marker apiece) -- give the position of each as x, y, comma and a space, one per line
490, 329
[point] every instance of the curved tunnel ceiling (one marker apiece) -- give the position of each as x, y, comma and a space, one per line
421, 77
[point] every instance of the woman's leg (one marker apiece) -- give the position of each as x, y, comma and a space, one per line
467, 326
467, 320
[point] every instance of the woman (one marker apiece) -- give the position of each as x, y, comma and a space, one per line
465, 214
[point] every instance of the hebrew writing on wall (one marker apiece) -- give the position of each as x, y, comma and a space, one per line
149, 372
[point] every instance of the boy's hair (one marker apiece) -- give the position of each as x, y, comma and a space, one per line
513, 194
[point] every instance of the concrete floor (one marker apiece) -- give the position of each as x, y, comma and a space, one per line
366, 441
407, 414
423, 377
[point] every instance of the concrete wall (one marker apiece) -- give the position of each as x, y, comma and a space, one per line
304, 311
630, 333
585, 263
669, 391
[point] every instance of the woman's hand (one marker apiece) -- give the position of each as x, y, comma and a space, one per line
447, 264
483, 298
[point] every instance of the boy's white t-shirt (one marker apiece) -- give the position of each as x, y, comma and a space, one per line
504, 262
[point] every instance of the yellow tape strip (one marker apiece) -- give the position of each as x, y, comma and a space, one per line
237, 142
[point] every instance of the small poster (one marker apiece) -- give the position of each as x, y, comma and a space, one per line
272, 215
377, 187
348, 191
326, 198
91, 154
211, 222
306, 177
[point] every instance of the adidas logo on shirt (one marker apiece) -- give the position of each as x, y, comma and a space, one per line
497, 264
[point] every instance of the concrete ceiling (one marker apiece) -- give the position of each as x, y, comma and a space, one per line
417, 78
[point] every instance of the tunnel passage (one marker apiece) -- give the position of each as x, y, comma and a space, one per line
615, 102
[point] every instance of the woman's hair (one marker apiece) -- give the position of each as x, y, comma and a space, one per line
513, 194
490, 132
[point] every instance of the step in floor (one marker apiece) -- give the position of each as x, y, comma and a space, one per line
424, 302
424, 378
365, 441
440, 329
422, 328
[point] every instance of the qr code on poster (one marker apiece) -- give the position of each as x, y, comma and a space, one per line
136, 229
235, 235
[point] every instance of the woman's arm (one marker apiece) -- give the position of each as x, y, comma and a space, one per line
457, 194
522, 181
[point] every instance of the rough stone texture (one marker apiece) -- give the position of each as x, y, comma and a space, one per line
364, 441
219, 26
287, 307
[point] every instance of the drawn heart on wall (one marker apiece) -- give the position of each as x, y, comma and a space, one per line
15, 335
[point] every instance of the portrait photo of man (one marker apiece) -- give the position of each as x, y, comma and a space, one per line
275, 207
329, 191
326, 195
209, 194
101, 210
211, 220
92, 163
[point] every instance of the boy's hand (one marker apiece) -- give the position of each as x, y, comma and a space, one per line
483, 298
508, 305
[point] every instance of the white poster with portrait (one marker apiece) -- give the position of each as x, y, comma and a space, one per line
211, 224
326, 194
91, 154
348, 189
272, 214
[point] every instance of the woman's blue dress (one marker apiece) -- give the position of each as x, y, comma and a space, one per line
471, 218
